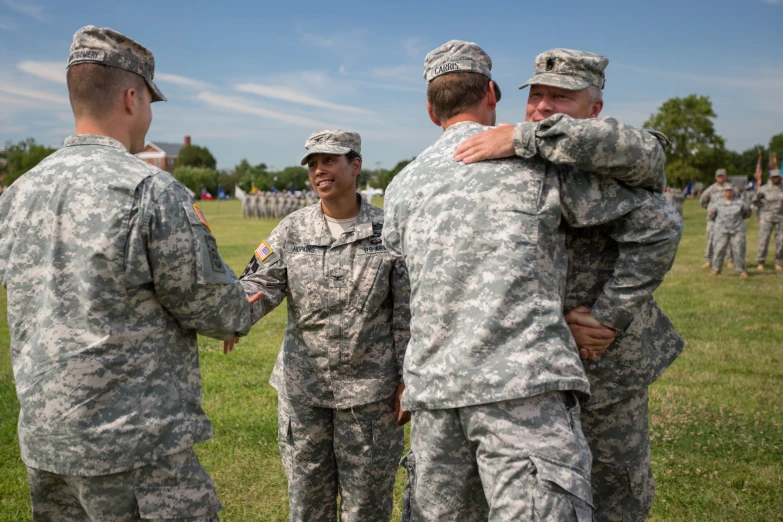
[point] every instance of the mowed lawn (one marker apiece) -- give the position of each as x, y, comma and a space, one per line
716, 414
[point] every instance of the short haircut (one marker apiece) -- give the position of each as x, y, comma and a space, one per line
456, 93
94, 88
595, 93
350, 156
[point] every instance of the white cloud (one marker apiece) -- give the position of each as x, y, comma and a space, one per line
240, 105
26, 8
32, 94
52, 71
290, 95
183, 81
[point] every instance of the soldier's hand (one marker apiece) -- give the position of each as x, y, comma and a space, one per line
229, 345
491, 144
402, 416
592, 338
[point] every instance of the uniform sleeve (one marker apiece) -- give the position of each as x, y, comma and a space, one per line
604, 146
266, 272
704, 200
758, 198
401, 314
172, 247
391, 234
647, 230
746, 210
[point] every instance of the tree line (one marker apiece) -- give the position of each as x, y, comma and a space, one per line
695, 153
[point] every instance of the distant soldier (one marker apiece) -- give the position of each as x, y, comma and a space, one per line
770, 198
712, 193
111, 271
339, 372
728, 215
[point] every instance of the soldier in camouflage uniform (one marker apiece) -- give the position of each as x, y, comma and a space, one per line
711, 194
728, 216
770, 198
492, 369
339, 372
615, 419
111, 270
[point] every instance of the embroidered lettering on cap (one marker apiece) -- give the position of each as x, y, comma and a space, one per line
87, 54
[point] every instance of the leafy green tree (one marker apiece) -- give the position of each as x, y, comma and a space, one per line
696, 150
21, 157
196, 177
195, 156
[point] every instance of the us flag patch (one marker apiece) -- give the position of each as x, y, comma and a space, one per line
200, 216
264, 251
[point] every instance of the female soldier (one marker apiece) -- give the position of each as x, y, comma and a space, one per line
339, 372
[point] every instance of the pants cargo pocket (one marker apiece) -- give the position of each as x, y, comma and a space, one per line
637, 505
285, 443
562, 494
196, 503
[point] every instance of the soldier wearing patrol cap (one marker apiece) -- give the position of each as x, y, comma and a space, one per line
339, 372
111, 271
492, 368
728, 215
711, 194
770, 198
620, 364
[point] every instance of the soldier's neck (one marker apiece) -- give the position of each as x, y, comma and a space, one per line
342, 208
99, 128
481, 119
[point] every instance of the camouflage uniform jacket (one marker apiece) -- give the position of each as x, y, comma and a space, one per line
487, 261
110, 273
729, 216
771, 198
348, 313
711, 194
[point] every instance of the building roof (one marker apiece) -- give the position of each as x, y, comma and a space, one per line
170, 149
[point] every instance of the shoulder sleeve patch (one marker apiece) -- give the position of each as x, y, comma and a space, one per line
264, 251
201, 217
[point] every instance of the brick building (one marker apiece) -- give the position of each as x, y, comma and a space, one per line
163, 155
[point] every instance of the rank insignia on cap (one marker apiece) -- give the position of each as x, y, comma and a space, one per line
263, 251
201, 217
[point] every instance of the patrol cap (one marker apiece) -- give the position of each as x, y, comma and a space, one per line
720, 172
728, 186
458, 56
774, 173
103, 45
568, 69
332, 142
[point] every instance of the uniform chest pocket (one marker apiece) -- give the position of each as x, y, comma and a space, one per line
371, 273
210, 267
306, 280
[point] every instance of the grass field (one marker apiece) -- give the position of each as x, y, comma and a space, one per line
716, 414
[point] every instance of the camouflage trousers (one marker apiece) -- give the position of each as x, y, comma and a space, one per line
734, 242
623, 486
518, 460
175, 487
765, 232
710, 252
353, 451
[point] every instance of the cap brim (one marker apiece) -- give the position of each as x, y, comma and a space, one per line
156, 94
325, 149
560, 81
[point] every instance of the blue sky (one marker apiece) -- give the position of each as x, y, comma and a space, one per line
254, 79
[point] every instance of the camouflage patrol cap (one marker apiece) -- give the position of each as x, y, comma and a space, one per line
458, 56
332, 142
728, 186
720, 172
774, 173
568, 69
103, 45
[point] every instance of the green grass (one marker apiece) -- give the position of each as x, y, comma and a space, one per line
716, 414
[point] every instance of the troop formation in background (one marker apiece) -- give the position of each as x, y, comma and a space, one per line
726, 214
275, 205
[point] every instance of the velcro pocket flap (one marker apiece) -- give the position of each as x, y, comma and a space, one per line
564, 476
176, 502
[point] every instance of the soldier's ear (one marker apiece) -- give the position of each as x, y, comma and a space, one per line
595, 110
433, 116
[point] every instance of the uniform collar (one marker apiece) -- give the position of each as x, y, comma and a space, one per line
362, 228
93, 139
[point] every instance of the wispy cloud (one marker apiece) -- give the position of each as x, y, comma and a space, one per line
241, 105
33, 94
291, 95
183, 81
52, 71
26, 8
